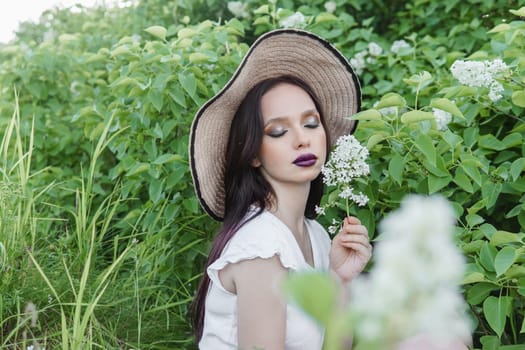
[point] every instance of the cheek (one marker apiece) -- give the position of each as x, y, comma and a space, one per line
323, 145
270, 153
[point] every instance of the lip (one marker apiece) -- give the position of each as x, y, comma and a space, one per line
305, 160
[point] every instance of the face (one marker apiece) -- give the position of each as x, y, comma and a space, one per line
293, 147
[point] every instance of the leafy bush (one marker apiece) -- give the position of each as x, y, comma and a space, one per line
134, 77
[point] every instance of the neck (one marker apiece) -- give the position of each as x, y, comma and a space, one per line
289, 206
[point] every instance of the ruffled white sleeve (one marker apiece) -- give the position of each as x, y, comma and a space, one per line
262, 237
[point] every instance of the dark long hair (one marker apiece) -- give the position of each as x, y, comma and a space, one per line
244, 184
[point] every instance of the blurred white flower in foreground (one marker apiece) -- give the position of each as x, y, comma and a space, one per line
481, 74
297, 20
413, 288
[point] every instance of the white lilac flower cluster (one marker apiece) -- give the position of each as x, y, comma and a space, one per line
413, 287
399, 45
238, 8
368, 56
442, 118
481, 74
296, 20
347, 162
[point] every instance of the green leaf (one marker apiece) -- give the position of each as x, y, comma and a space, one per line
504, 259
261, 20
452, 139
520, 12
491, 192
396, 167
325, 17
512, 140
503, 237
438, 168
184, 33
198, 57
123, 81
479, 292
156, 98
515, 211
138, 168
264, 9
503, 27
120, 50
416, 116
369, 114
155, 190
374, 140
188, 82
472, 247
522, 330
495, 311
463, 181
436, 183
490, 342
419, 79
426, 146
157, 31
487, 256
315, 292
521, 286
490, 142
446, 105
472, 170
517, 167
473, 277
515, 270
391, 100
177, 95
518, 98
191, 204
167, 158
474, 220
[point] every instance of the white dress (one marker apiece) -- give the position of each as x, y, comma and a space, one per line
263, 237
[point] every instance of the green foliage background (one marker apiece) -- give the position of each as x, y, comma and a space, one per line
100, 227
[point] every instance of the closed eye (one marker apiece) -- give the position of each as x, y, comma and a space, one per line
276, 132
312, 122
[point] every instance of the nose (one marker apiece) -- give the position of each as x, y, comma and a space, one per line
301, 138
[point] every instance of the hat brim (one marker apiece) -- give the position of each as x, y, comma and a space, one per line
280, 52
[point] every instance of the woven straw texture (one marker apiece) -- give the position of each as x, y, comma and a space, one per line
281, 52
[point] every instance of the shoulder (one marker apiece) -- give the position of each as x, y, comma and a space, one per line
259, 229
262, 236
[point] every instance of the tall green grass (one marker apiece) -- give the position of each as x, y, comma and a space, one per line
74, 282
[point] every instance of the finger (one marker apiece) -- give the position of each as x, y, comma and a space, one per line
352, 220
355, 229
360, 249
355, 239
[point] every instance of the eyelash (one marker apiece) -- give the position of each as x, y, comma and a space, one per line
310, 125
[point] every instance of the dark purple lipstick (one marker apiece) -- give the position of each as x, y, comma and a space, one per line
305, 160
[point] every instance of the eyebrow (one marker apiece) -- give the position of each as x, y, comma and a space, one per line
304, 114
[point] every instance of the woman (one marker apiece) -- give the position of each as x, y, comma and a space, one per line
256, 151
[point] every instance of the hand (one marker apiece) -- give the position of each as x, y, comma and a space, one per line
351, 250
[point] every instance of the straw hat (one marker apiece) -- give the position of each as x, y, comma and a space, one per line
280, 52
